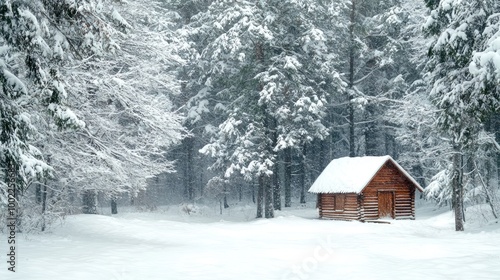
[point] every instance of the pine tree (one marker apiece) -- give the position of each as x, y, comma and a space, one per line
459, 90
127, 108
262, 67
120, 95
38, 39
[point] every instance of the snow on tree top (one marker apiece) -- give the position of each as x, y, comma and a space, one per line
352, 174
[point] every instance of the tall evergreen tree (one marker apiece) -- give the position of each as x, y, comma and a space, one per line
262, 66
459, 88
39, 38
119, 90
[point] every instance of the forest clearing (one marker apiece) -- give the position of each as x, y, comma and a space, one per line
169, 244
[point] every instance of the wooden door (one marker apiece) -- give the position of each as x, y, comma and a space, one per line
385, 204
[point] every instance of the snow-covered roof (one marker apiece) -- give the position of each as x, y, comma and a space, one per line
352, 174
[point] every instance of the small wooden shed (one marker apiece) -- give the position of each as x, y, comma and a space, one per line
365, 188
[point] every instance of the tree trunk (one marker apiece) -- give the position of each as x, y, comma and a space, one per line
457, 189
276, 187
225, 198
38, 193
331, 141
303, 175
201, 182
188, 169
352, 151
44, 204
288, 176
265, 188
269, 204
391, 147
372, 135
253, 193
89, 198
352, 147
260, 197
114, 206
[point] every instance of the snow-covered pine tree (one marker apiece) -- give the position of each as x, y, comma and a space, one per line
460, 86
411, 116
129, 123
38, 39
302, 80
267, 65
233, 58
124, 98
366, 51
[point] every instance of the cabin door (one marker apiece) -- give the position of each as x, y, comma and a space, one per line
385, 204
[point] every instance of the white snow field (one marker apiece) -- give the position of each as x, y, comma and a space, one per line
295, 245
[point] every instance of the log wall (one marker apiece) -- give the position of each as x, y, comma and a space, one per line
389, 178
350, 210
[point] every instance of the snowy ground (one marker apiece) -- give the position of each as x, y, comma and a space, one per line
169, 244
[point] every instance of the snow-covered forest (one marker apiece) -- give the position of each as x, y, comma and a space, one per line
236, 106
149, 102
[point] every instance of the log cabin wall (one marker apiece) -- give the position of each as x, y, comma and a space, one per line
389, 179
339, 206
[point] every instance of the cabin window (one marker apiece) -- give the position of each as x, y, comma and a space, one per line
339, 202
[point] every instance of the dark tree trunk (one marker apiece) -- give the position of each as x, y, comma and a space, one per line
224, 199
265, 192
260, 197
391, 147
200, 182
457, 188
303, 170
268, 186
372, 139
276, 187
44, 204
38, 193
114, 206
253, 193
89, 198
352, 149
331, 140
188, 169
269, 204
288, 176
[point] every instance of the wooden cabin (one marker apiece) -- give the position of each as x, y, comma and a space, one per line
365, 188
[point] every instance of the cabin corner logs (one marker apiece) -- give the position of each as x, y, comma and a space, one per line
390, 193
